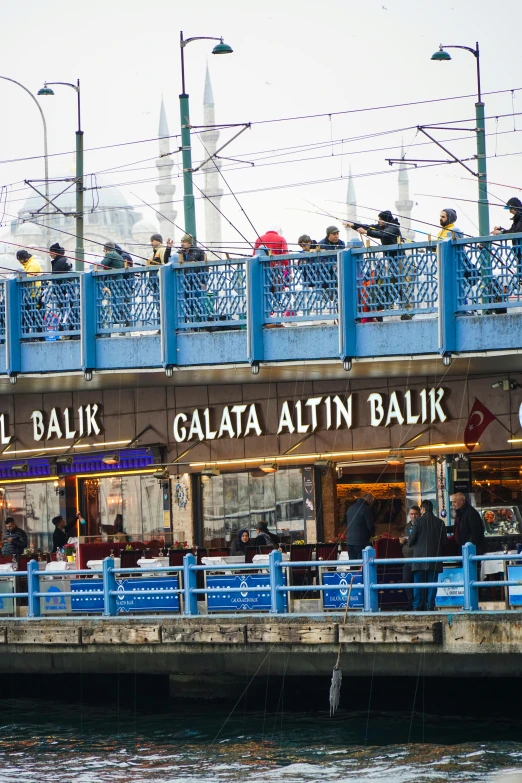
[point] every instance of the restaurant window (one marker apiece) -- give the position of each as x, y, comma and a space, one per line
138, 499
32, 506
232, 501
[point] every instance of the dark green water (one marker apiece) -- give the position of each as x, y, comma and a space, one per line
44, 741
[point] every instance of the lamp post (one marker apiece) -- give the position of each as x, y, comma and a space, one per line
46, 159
79, 252
483, 206
186, 149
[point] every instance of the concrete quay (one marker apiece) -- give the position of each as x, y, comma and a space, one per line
463, 644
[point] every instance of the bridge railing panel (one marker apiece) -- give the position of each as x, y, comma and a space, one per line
127, 301
301, 287
489, 273
398, 280
211, 294
49, 306
2, 310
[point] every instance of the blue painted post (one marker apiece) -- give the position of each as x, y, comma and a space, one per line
447, 271
370, 597
277, 598
169, 315
33, 587
88, 321
346, 265
13, 327
469, 569
109, 585
255, 305
190, 599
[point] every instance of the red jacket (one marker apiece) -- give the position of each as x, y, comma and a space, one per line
274, 242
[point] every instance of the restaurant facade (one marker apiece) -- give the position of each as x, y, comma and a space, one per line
198, 463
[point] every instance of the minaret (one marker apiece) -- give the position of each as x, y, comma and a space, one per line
351, 208
165, 187
212, 179
404, 206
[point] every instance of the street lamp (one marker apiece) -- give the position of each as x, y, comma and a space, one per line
483, 208
186, 150
46, 159
79, 253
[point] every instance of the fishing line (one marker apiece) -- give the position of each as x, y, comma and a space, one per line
233, 194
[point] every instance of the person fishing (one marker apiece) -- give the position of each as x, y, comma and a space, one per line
387, 229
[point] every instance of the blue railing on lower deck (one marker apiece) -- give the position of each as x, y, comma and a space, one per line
127, 301
49, 306
210, 294
110, 590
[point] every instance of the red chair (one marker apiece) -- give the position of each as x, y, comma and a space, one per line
303, 574
326, 551
129, 559
219, 552
265, 550
250, 553
390, 574
176, 556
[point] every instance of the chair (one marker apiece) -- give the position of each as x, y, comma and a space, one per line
265, 550
176, 556
155, 546
303, 574
219, 552
390, 574
250, 553
326, 551
129, 559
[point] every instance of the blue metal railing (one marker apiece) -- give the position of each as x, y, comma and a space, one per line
489, 273
396, 280
212, 294
2, 311
112, 591
302, 288
49, 306
127, 301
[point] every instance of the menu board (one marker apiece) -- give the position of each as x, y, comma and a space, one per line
501, 520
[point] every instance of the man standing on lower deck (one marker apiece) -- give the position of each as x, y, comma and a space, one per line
360, 526
426, 540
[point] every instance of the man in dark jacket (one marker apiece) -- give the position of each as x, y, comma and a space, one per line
515, 208
360, 526
15, 539
59, 263
331, 240
407, 573
468, 524
387, 229
189, 252
426, 540
62, 531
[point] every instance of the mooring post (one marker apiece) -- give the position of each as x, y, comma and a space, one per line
469, 571
370, 597
277, 598
190, 599
33, 587
109, 586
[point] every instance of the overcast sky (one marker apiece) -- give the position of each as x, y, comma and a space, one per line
290, 59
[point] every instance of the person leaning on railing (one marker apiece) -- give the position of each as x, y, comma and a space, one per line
29, 263
59, 263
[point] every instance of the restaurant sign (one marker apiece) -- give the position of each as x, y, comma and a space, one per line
306, 416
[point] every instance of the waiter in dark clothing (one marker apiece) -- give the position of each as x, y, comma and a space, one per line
62, 531
468, 524
360, 526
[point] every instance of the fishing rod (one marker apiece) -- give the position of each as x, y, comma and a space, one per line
43, 250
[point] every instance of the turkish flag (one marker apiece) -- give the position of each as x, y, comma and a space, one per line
479, 418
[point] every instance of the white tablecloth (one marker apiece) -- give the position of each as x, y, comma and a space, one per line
488, 567
263, 559
96, 565
216, 561
153, 562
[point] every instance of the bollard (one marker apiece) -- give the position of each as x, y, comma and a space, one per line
109, 584
469, 570
277, 598
33, 587
190, 599
370, 597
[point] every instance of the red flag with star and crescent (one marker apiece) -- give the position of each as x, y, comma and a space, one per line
479, 418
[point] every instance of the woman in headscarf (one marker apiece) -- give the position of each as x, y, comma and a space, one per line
240, 543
